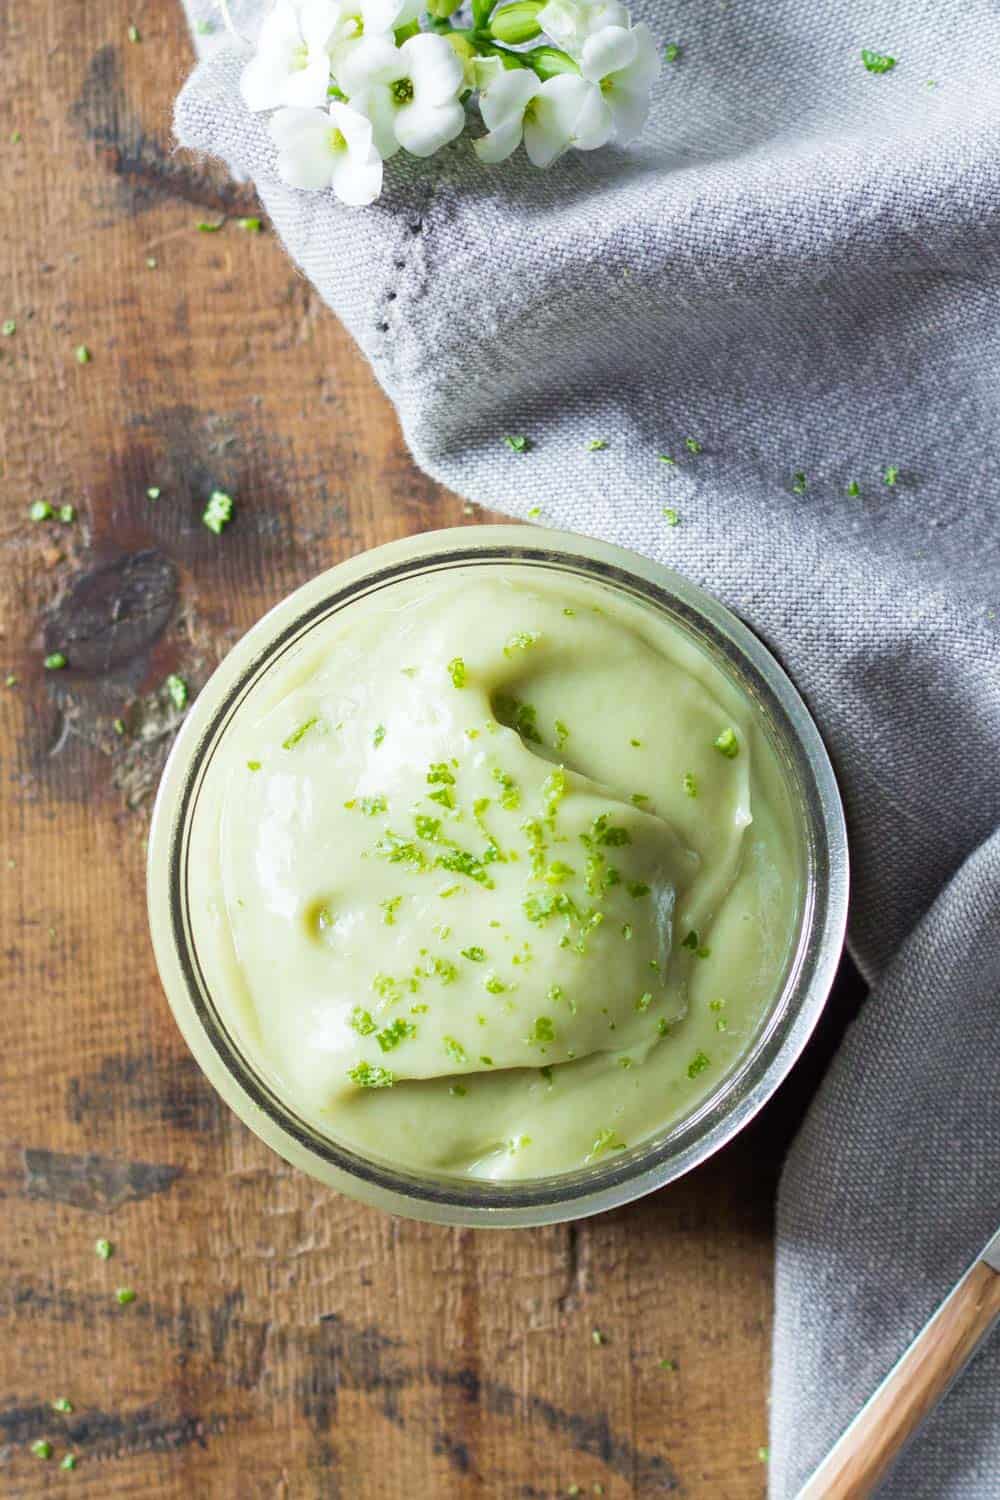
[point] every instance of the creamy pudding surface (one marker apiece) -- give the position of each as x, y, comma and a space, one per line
495, 874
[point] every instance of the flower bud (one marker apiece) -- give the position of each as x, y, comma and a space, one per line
442, 9
548, 61
517, 23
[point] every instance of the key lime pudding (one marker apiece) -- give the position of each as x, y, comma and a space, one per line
494, 873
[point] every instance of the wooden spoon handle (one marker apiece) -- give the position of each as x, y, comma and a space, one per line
862, 1456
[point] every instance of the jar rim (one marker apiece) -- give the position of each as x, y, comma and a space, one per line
740, 1093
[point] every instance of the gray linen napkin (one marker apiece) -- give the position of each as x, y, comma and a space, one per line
799, 268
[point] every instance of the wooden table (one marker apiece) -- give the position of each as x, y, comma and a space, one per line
283, 1341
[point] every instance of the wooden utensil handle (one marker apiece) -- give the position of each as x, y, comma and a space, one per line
863, 1455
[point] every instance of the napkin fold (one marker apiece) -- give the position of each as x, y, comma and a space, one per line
798, 268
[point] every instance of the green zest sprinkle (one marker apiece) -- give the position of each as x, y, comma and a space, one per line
727, 744
671, 52
10, 680
69, 1462
177, 691
494, 985
698, 1064
799, 482
151, 262
370, 1076
390, 1036
62, 1404
605, 1140
542, 1031
40, 510
154, 492
891, 475
8, 328
389, 909
692, 445
124, 1295
204, 28
82, 354
691, 941
597, 1337
474, 955
297, 734
665, 458
379, 735
253, 765
41, 1448
596, 444
854, 489
67, 514
455, 1050
361, 1021
877, 62
204, 226
250, 226
562, 733
458, 1090
670, 515
763, 1454
644, 1001
456, 671
521, 717
690, 784
218, 512
517, 443
133, 34
54, 662
487, 1062
104, 1249
522, 640
637, 889
535, 511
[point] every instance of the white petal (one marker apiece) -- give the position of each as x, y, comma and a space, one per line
380, 16
433, 65
318, 20
307, 87
500, 143
629, 113
560, 19
263, 82
646, 65
356, 129
423, 129
607, 52
280, 30
594, 123
563, 106
409, 11
486, 71
606, 13
371, 60
356, 180
302, 136
377, 106
508, 96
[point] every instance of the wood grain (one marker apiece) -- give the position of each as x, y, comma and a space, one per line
861, 1460
284, 1342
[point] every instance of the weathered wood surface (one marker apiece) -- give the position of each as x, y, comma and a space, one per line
284, 1342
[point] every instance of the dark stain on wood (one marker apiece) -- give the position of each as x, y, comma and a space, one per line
144, 169
93, 1182
369, 1361
104, 1434
113, 612
173, 1092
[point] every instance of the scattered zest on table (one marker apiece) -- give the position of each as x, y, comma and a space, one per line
352, 82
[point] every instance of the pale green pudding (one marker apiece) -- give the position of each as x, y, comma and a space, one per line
500, 875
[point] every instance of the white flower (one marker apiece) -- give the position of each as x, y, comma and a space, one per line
570, 22
410, 93
358, 19
624, 64
320, 149
292, 61
552, 116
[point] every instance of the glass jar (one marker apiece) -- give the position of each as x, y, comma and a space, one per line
782, 1031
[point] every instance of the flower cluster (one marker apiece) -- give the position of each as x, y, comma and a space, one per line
352, 82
